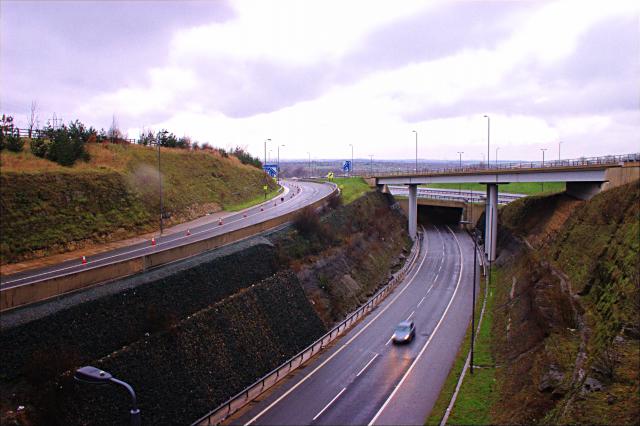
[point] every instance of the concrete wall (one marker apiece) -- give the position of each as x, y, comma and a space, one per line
18, 296
617, 176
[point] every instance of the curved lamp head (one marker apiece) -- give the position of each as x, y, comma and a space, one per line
92, 375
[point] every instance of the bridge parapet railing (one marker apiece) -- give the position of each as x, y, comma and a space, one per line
519, 165
232, 405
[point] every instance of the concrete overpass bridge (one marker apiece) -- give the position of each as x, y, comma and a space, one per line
584, 178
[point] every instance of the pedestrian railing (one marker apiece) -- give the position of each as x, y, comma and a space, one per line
241, 399
514, 166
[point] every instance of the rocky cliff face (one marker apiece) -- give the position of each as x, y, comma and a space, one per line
566, 323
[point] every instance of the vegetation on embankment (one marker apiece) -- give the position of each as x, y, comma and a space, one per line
344, 257
47, 208
351, 188
566, 322
204, 330
528, 188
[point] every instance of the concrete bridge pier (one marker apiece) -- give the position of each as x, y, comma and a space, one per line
491, 222
413, 211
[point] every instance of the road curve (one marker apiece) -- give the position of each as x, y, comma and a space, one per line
295, 196
364, 377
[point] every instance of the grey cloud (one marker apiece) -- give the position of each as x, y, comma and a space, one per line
435, 34
63, 52
241, 89
599, 77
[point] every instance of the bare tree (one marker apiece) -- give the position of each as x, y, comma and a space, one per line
114, 132
32, 119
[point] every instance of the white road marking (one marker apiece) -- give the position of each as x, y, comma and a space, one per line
294, 387
330, 402
422, 300
389, 341
430, 337
365, 367
410, 315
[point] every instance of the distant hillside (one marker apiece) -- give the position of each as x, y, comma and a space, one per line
47, 208
566, 326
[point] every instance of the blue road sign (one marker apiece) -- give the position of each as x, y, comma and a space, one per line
272, 169
346, 166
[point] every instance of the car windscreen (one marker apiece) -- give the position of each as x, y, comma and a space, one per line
403, 329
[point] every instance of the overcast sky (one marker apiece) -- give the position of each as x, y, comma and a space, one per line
317, 76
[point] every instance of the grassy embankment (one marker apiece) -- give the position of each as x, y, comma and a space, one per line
528, 188
351, 188
565, 318
48, 209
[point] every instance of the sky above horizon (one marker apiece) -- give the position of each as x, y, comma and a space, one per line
316, 76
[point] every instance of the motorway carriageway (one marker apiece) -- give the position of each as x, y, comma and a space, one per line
309, 193
364, 378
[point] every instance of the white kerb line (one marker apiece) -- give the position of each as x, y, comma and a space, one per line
428, 341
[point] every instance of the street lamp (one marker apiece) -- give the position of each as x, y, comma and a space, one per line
488, 137
460, 166
265, 151
559, 143
159, 138
279, 162
96, 376
371, 164
416, 150
309, 163
351, 168
473, 297
543, 150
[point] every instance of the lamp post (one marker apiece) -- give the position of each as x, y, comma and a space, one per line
159, 138
371, 164
559, 143
460, 166
473, 298
279, 162
543, 150
416, 150
351, 168
265, 151
488, 138
96, 376
497, 149
309, 163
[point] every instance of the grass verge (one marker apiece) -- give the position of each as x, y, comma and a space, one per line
476, 396
528, 188
252, 202
351, 188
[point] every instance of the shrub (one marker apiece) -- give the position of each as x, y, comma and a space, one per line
308, 224
14, 143
335, 201
40, 147
246, 158
66, 144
